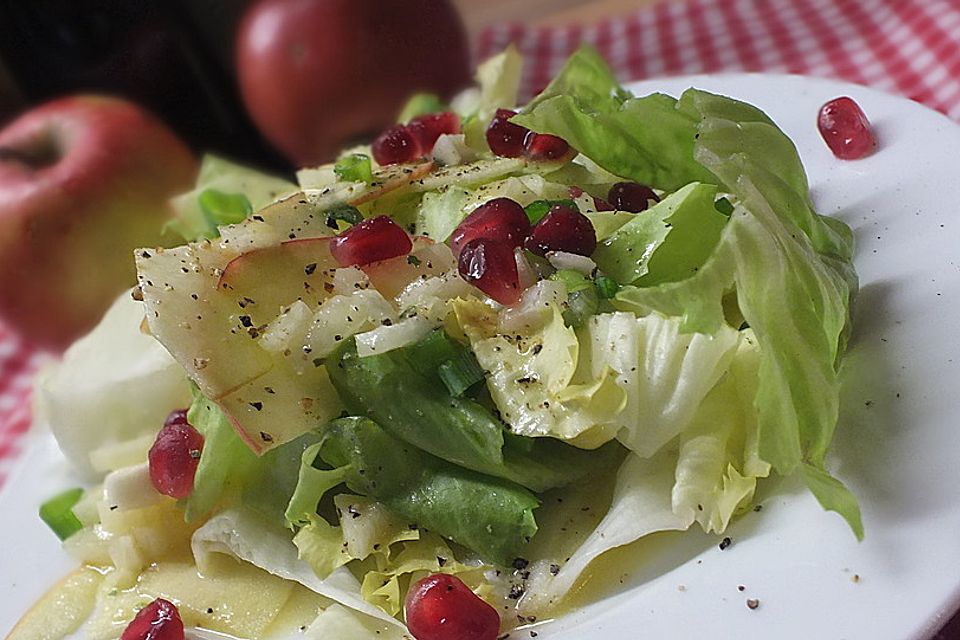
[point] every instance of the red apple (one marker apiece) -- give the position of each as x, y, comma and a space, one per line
316, 75
84, 180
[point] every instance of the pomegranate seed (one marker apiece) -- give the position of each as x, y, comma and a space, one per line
543, 146
159, 620
426, 129
575, 192
369, 241
174, 457
500, 219
504, 138
562, 229
490, 265
631, 196
179, 416
845, 129
441, 607
602, 205
396, 145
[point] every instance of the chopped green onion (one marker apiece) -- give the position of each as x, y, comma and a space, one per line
606, 287
461, 373
343, 212
354, 167
724, 206
224, 208
537, 209
427, 355
580, 306
420, 104
57, 512
573, 280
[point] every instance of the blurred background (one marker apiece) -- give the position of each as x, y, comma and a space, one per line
176, 57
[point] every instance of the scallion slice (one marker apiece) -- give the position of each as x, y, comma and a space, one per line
461, 373
57, 512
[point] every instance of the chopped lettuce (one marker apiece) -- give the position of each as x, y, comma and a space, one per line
248, 536
493, 517
223, 188
417, 409
668, 242
643, 139
718, 463
789, 267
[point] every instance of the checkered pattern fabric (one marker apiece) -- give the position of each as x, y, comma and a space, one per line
907, 47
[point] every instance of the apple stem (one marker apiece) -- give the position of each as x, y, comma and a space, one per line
32, 160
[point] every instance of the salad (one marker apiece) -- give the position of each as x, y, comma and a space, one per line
424, 388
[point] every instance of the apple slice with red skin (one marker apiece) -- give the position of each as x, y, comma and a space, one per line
428, 259
264, 281
195, 320
281, 405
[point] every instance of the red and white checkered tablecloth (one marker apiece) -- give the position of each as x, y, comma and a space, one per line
908, 47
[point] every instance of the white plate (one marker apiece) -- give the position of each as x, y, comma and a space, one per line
897, 446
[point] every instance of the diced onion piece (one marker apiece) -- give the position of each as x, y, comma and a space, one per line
288, 330
349, 279
451, 149
130, 488
565, 260
528, 275
534, 308
395, 336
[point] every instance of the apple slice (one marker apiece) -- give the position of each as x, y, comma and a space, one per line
293, 217
281, 405
394, 179
318, 189
194, 320
481, 171
264, 281
428, 259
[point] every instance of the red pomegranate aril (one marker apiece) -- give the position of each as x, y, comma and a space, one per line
631, 196
504, 138
500, 219
173, 459
159, 620
846, 130
441, 607
543, 146
177, 416
396, 145
490, 265
369, 241
602, 205
562, 229
426, 129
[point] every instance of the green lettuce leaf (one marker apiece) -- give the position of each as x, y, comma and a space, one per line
491, 516
668, 242
788, 268
441, 211
386, 581
228, 181
418, 409
615, 131
718, 463
226, 463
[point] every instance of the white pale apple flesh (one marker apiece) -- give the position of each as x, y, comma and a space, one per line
265, 281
